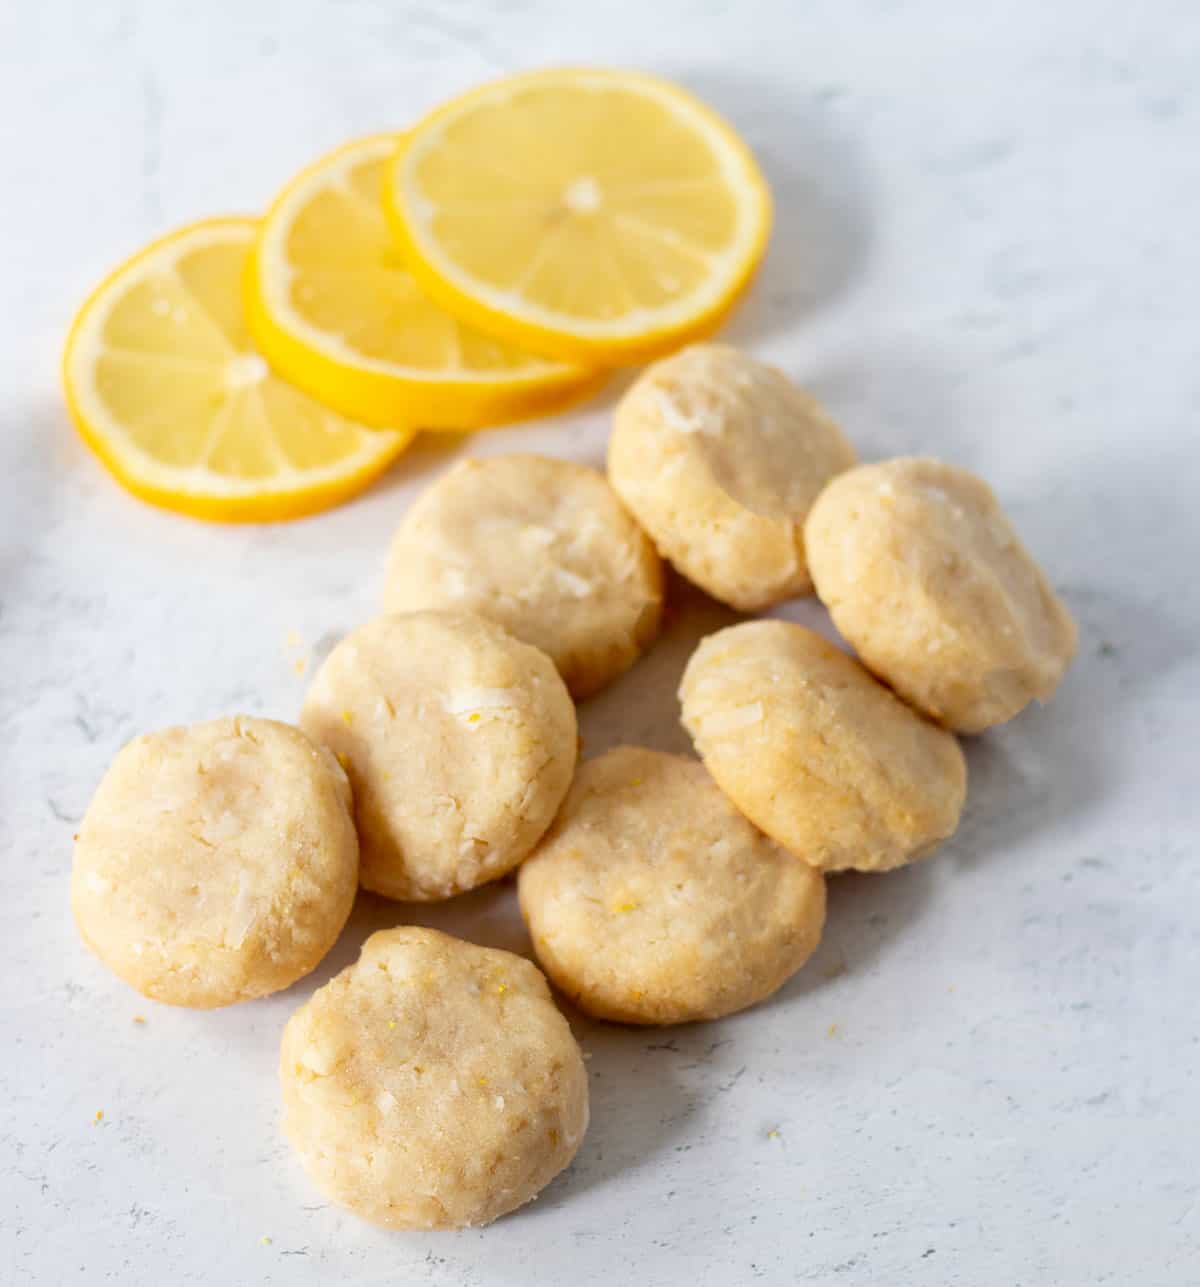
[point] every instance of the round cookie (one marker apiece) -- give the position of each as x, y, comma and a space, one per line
925, 576
818, 754
459, 740
720, 458
432, 1084
216, 862
652, 900
541, 546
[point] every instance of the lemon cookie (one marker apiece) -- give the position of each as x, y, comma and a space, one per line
432, 1084
459, 740
652, 900
720, 458
216, 862
816, 752
925, 576
541, 546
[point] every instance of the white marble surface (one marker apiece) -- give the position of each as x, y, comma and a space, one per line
987, 248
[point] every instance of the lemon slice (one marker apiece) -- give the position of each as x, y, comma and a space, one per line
595, 216
334, 309
166, 387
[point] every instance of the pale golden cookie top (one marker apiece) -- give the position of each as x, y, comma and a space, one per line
216, 861
543, 547
924, 574
720, 457
459, 740
433, 1083
817, 752
652, 900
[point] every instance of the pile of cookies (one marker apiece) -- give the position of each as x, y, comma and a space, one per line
434, 1083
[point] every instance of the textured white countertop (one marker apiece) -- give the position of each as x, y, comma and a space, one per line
988, 248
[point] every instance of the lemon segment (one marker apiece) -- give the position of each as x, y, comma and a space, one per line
165, 385
593, 216
332, 305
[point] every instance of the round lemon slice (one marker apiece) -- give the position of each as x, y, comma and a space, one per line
165, 385
594, 216
333, 307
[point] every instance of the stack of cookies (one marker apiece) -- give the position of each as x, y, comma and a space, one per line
434, 1083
